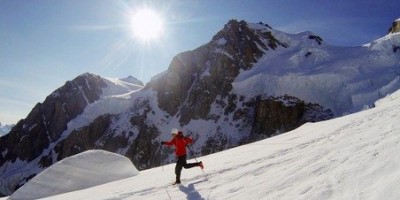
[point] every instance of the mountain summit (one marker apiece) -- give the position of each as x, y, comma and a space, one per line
248, 83
395, 28
5, 129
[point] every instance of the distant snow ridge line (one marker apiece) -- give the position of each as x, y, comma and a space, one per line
5, 129
344, 79
116, 98
121, 86
84, 170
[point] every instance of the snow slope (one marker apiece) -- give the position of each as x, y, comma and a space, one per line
87, 169
116, 98
351, 157
344, 79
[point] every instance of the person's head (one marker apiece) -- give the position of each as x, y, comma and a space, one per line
174, 132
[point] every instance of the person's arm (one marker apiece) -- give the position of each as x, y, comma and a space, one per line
188, 140
168, 143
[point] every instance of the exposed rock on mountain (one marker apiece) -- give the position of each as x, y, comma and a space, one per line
263, 117
395, 28
30, 143
47, 120
276, 115
195, 78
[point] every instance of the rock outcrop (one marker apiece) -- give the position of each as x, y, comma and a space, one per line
47, 121
195, 78
395, 28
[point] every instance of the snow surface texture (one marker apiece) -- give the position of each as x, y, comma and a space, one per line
84, 170
344, 79
351, 157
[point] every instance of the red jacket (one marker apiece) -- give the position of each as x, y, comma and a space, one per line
180, 143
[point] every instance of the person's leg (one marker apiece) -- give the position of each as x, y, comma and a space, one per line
178, 168
190, 165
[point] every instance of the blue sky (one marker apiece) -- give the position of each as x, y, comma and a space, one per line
45, 43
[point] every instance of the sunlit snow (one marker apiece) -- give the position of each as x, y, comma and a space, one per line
87, 169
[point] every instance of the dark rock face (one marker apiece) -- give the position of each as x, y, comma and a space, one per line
277, 115
195, 78
318, 39
396, 48
47, 121
395, 28
140, 147
266, 117
83, 139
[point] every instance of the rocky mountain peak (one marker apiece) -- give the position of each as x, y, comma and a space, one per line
244, 42
395, 28
209, 70
46, 122
133, 80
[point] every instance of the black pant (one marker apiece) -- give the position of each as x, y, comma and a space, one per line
182, 163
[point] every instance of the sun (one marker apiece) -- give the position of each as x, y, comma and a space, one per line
147, 25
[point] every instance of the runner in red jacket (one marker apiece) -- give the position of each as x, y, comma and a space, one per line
180, 142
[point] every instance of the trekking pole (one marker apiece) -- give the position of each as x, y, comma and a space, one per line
161, 162
161, 157
191, 151
195, 158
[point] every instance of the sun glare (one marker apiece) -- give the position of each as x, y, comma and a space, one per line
146, 25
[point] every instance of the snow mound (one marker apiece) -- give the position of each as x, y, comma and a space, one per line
84, 170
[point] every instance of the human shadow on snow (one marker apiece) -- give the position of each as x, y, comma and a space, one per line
191, 192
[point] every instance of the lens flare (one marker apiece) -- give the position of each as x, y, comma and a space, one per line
146, 25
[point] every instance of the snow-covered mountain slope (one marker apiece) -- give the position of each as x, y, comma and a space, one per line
351, 157
344, 79
68, 108
115, 99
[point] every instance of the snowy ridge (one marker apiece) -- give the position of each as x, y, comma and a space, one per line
5, 129
116, 98
120, 86
349, 157
344, 79
384, 46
